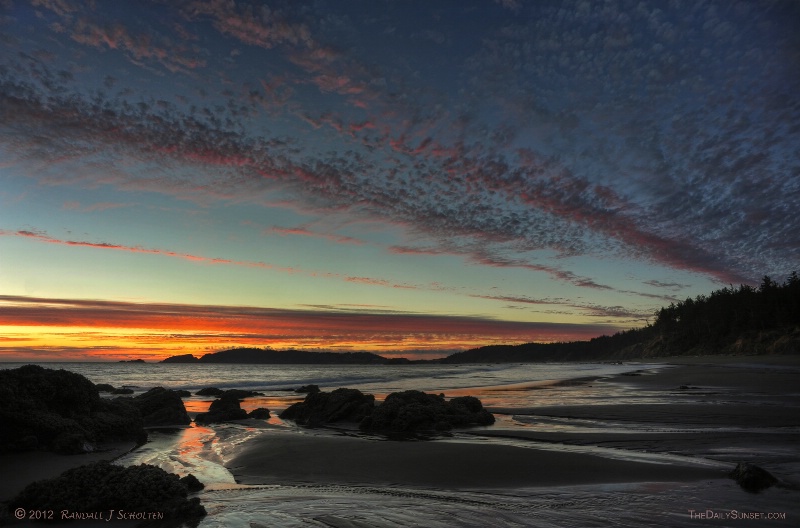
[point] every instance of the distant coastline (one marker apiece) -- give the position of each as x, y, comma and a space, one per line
730, 321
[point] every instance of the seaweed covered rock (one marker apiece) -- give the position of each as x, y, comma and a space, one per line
752, 478
223, 409
320, 408
412, 411
105, 487
61, 411
160, 406
192, 483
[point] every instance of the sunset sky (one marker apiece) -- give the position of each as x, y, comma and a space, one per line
410, 178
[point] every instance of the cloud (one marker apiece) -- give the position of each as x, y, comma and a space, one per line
583, 130
301, 231
158, 326
39, 236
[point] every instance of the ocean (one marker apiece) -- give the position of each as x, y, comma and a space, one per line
204, 451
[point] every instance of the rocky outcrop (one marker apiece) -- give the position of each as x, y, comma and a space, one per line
61, 411
259, 414
412, 411
102, 488
184, 358
240, 393
160, 406
192, 483
306, 389
320, 408
210, 391
223, 409
752, 478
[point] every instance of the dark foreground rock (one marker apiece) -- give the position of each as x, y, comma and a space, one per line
61, 411
223, 409
158, 497
192, 483
752, 478
160, 406
412, 411
319, 408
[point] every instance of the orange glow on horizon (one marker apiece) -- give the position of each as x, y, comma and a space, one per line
68, 330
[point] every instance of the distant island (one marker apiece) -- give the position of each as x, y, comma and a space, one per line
132, 361
268, 356
732, 321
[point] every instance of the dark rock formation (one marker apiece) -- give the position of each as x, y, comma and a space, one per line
182, 393
412, 411
751, 477
282, 357
223, 409
192, 484
58, 410
122, 390
104, 387
306, 389
185, 358
210, 391
240, 394
160, 406
320, 408
259, 414
103, 487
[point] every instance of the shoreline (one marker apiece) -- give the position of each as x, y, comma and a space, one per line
313, 457
503, 458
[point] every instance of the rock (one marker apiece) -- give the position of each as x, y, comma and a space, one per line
182, 393
122, 390
320, 408
305, 389
104, 387
119, 419
185, 358
259, 414
412, 411
224, 409
58, 410
192, 484
751, 477
160, 406
210, 391
103, 487
240, 394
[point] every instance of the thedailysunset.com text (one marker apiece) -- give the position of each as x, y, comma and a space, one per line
735, 515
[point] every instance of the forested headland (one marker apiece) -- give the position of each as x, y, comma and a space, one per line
731, 320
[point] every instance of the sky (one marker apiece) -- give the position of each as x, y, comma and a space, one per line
410, 178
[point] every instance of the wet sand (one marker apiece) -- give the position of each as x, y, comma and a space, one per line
727, 408
17, 470
284, 458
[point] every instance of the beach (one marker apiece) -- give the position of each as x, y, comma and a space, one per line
654, 441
